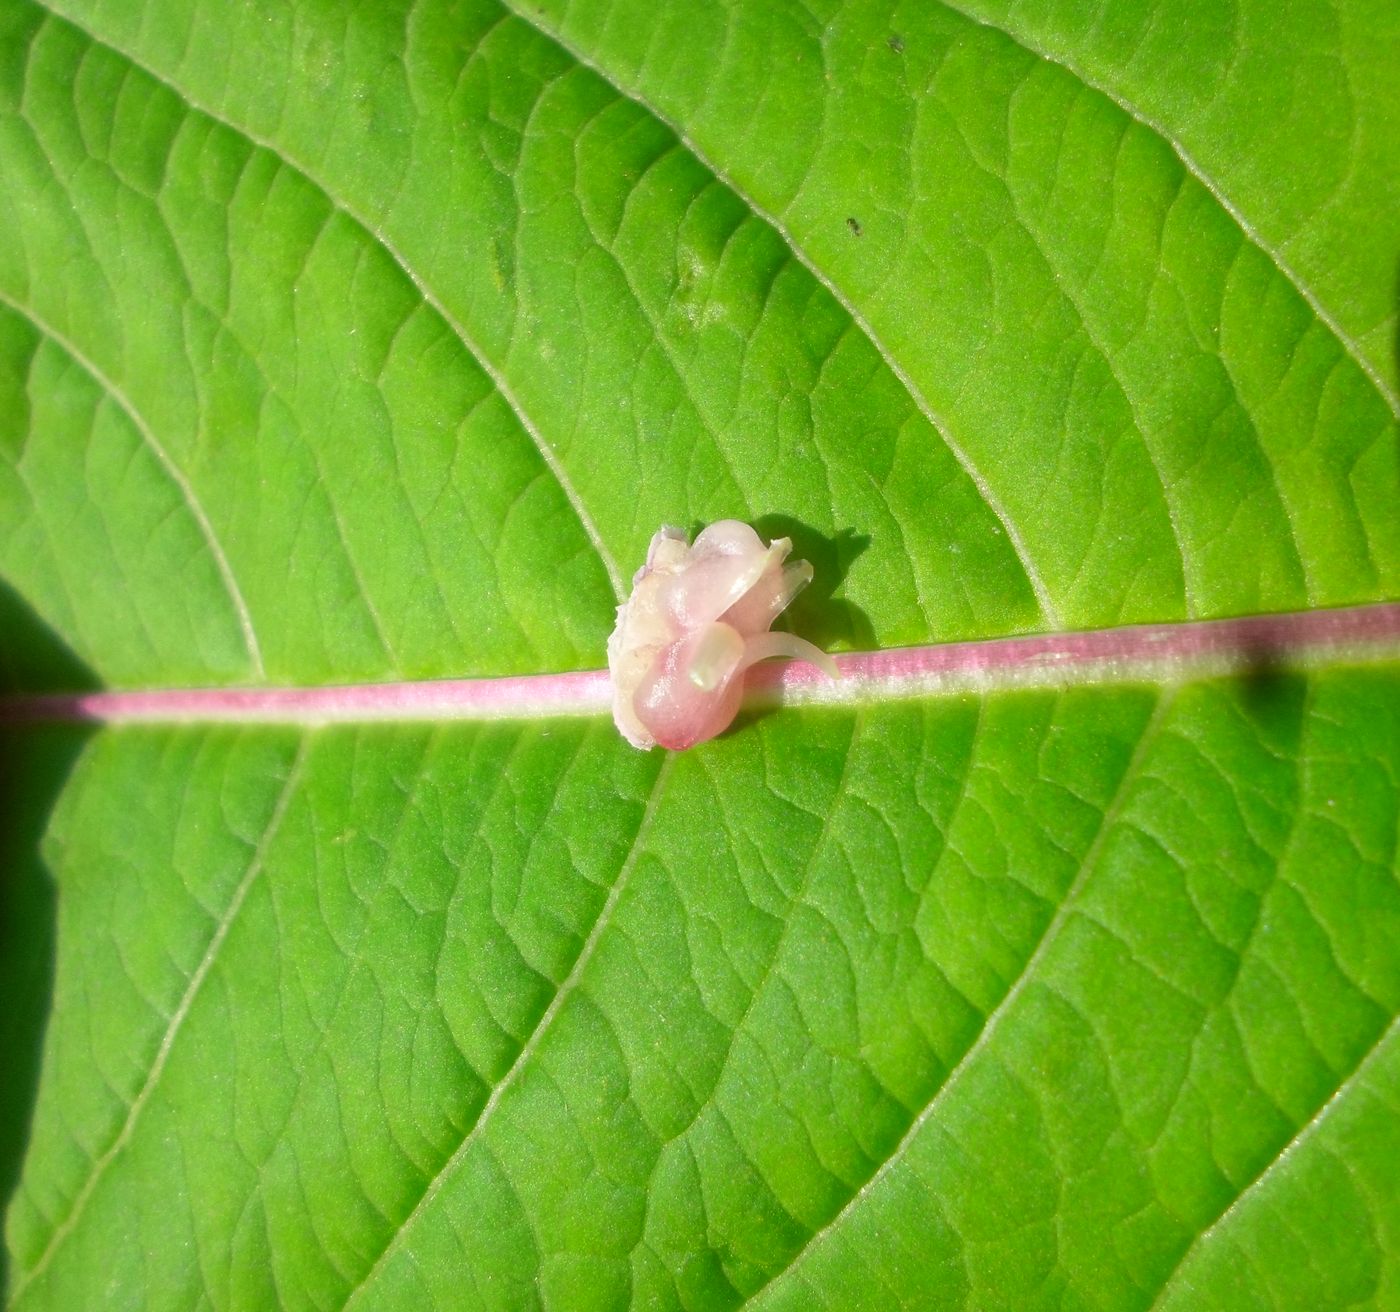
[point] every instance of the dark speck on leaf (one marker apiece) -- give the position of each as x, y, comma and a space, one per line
854, 226
896, 43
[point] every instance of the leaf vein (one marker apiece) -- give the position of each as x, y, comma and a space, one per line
492, 371
1271, 252
998, 1013
532, 1043
173, 1028
915, 393
1370, 1058
167, 464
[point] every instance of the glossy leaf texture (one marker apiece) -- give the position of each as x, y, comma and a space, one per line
364, 342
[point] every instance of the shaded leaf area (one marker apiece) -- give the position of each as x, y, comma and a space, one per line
33, 769
34, 766
993, 1003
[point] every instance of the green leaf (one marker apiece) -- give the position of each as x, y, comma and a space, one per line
348, 343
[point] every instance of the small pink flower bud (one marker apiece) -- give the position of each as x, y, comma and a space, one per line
698, 617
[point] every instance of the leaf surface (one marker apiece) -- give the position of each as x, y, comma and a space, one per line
356, 343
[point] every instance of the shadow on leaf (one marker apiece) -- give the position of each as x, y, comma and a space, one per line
831, 622
817, 614
1268, 687
35, 761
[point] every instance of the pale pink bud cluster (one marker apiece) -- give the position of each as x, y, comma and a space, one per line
698, 617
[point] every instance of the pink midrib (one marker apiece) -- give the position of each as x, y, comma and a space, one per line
1147, 652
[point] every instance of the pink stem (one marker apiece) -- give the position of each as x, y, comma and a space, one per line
523, 697
1191, 649
1146, 652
